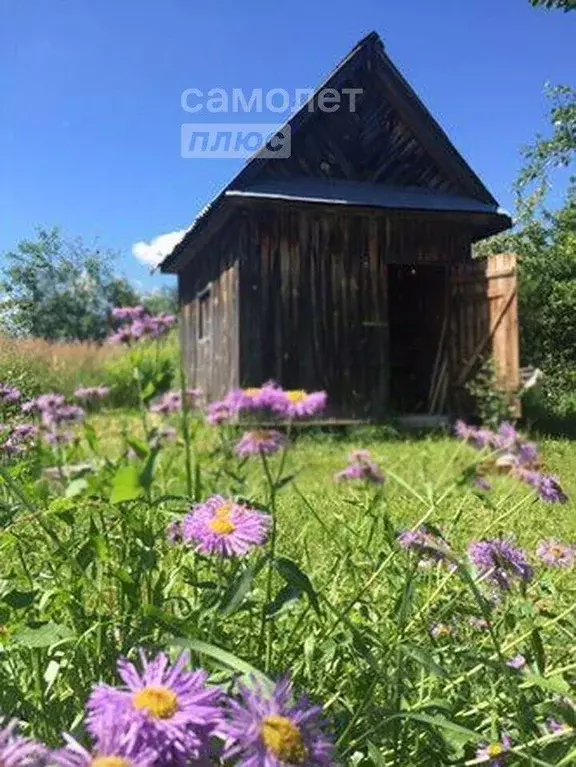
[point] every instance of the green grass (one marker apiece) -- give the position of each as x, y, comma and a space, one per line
419, 469
345, 611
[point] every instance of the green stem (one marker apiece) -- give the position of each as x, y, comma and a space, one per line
272, 505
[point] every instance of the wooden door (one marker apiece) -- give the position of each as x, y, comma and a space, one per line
484, 322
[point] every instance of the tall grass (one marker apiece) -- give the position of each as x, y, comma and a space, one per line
36, 366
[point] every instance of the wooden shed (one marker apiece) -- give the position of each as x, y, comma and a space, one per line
347, 266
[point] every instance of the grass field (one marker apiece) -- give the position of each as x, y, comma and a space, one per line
386, 641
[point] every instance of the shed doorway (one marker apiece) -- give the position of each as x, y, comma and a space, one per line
417, 301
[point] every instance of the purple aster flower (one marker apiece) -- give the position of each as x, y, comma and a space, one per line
129, 313
556, 554
547, 486
550, 491
149, 326
17, 751
265, 442
24, 432
362, 467
431, 548
117, 746
463, 431
556, 727
9, 395
263, 730
219, 413
517, 663
528, 454
169, 402
49, 401
162, 324
172, 709
507, 435
92, 393
221, 526
123, 336
30, 406
56, 416
483, 438
501, 562
495, 754
252, 399
11, 447
298, 403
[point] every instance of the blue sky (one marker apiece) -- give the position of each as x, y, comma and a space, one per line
91, 92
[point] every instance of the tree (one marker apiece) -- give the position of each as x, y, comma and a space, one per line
565, 5
547, 154
165, 299
545, 242
60, 290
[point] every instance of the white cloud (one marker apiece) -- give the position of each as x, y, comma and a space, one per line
153, 252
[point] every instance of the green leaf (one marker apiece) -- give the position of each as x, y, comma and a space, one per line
126, 485
556, 683
20, 599
237, 591
42, 636
138, 446
375, 755
147, 475
462, 733
223, 657
425, 659
294, 576
91, 437
162, 618
76, 487
538, 650
287, 596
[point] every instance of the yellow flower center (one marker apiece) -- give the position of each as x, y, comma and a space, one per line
252, 392
496, 749
260, 436
110, 761
224, 511
222, 526
296, 396
160, 702
557, 552
283, 739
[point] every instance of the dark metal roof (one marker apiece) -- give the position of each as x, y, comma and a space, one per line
423, 123
361, 194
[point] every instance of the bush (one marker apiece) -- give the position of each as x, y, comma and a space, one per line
551, 406
158, 369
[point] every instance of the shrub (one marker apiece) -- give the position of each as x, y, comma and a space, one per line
491, 403
157, 365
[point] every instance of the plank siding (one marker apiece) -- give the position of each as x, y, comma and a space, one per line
484, 324
212, 362
314, 293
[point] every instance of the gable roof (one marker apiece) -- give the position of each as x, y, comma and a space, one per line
390, 140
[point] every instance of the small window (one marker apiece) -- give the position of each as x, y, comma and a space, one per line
204, 316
